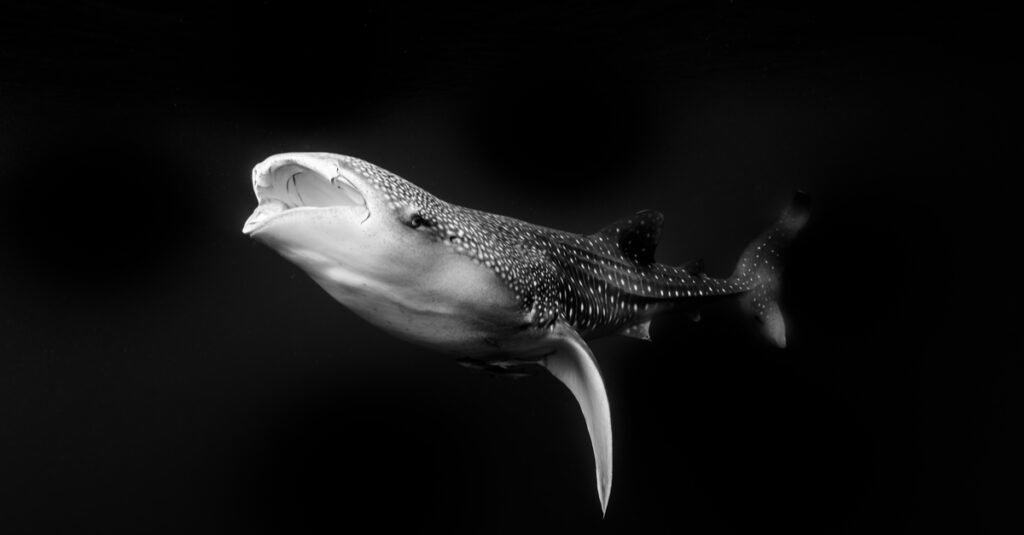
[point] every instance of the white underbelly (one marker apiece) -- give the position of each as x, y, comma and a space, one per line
462, 308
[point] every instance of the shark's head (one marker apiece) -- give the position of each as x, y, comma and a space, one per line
379, 244
328, 211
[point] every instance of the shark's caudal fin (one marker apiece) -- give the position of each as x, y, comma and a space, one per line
760, 269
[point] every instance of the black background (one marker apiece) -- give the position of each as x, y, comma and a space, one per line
160, 372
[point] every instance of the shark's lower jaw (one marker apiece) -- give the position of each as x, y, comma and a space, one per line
286, 184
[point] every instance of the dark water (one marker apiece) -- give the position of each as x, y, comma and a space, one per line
160, 372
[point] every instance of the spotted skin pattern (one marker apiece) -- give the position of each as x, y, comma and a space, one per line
599, 283
567, 287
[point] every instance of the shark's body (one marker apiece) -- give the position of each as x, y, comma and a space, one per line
503, 295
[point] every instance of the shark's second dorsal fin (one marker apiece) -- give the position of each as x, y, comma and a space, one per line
636, 236
694, 267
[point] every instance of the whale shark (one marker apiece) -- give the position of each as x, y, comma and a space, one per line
499, 294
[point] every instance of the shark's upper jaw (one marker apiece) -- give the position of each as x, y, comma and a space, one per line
289, 183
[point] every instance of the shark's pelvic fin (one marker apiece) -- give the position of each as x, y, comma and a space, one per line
639, 330
572, 363
636, 236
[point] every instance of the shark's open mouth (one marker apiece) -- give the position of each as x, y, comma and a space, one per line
287, 185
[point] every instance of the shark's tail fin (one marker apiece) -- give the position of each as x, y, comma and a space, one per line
760, 269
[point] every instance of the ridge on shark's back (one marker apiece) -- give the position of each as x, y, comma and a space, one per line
504, 295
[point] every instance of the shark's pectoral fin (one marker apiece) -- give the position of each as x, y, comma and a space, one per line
572, 363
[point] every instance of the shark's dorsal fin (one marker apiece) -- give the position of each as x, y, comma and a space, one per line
572, 363
636, 236
639, 330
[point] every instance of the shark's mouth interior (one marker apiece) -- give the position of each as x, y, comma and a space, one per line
290, 185
296, 185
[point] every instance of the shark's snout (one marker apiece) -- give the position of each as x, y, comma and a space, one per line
294, 182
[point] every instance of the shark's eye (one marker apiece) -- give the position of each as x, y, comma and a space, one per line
417, 221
